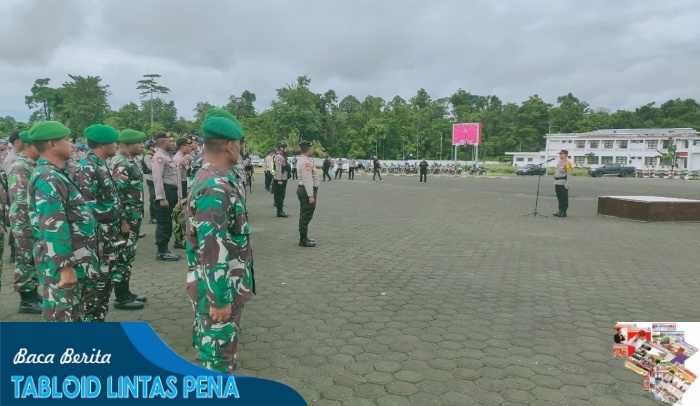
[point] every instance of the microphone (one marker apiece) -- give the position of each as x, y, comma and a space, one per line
550, 160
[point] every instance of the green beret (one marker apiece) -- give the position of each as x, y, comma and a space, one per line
221, 128
101, 133
48, 130
221, 113
24, 136
131, 136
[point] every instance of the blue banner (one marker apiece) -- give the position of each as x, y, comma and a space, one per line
115, 364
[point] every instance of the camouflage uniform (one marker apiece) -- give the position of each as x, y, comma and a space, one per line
98, 188
26, 277
64, 230
3, 223
129, 182
220, 264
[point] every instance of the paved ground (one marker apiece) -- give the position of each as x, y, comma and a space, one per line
443, 293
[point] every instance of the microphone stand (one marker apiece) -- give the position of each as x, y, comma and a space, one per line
537, 196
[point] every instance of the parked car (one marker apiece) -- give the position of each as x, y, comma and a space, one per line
255, 160
612, 169
531, 169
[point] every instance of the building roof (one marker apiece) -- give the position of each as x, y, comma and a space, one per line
632, 133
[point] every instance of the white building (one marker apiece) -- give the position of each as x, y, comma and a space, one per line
637, 147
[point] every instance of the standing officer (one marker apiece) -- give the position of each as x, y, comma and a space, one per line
306, 192
351, 168
282, 173
267, 167
221, 278
562, 177
147, 169
183, 162
129, 182
63, 225
166, 182
26, 277
94, 179
423, 167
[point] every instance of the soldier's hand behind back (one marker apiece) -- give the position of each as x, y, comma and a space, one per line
163, 203
220, 314
125, 227
312, 200
68, 278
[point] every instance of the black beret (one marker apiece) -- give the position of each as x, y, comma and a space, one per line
183, 141
161, 134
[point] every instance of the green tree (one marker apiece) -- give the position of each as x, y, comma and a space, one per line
44, 99
148, 87
84, 102
670, 156
296, 109
568, 114
243, 106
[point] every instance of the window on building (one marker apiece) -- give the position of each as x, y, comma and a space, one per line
519, 159
592, 160
593, 144
608, 144
622, 144
580, 144
622, 160
607, 160
650, 161
665, 144
652, 144
686, 144
665, 162
529, 159
580, 160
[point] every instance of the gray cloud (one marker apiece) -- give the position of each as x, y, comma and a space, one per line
614, 55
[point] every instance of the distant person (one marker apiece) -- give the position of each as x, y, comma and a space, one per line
351, 168
562, 178
339, 168
267, 168
423, 167
326, 168
377, 169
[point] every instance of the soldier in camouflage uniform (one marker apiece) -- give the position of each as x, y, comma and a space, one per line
220, 279
97, 186
26, 277
4, 221
63, 226
127, 176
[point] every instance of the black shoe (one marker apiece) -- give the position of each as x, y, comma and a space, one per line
141, 235
282, 214
152, 221
179, 246
134, 296
307, 243
11, 259
30, 306
562, 215
167, 256
128, 303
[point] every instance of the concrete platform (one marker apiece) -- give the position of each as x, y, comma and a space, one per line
649, 208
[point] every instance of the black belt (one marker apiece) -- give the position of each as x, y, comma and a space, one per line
168, 185
565, 177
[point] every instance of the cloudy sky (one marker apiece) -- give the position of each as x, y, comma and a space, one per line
613, 54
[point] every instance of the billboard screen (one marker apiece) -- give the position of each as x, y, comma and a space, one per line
466, 134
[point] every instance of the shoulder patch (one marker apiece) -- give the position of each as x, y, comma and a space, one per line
308, 167
160, 159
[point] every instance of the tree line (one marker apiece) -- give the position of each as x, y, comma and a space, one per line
395, 129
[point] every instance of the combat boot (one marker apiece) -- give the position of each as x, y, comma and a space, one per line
180, 246
167, 256
282, 214
134, 296
123, 299
305, 242
28, 303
